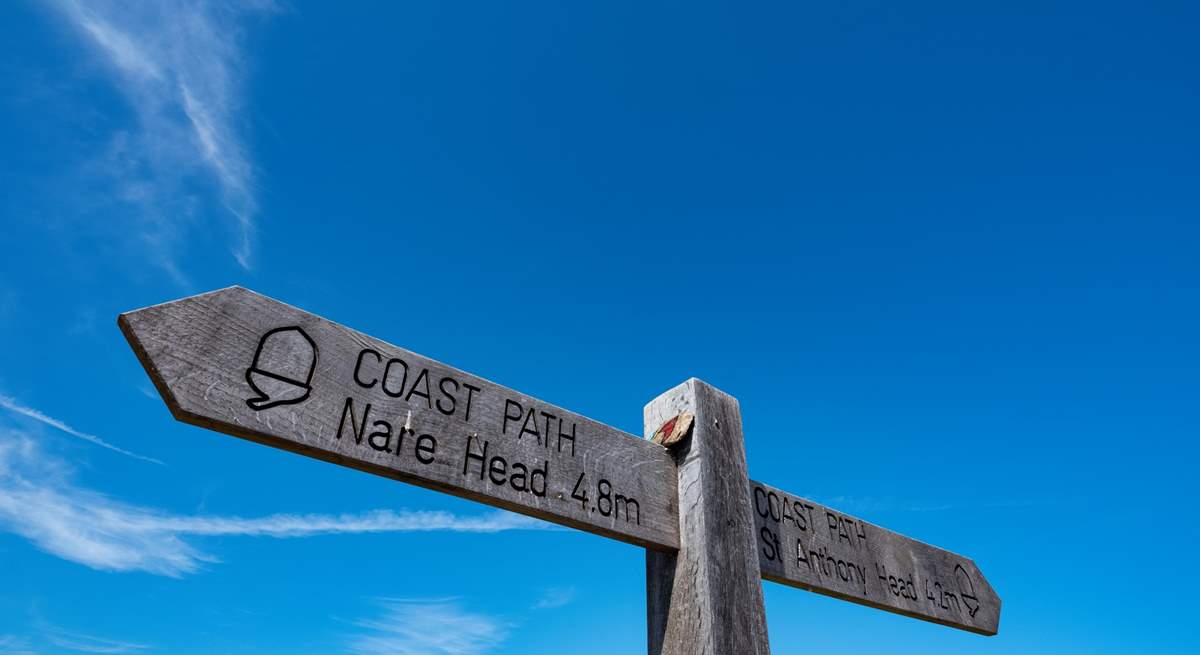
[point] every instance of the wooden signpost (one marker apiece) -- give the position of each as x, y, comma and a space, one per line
240, 363
808, 545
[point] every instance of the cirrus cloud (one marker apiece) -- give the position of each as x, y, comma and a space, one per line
40, 501
178, 63
427, 627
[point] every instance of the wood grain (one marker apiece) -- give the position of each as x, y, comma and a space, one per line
707, 598
804, 544
235, 361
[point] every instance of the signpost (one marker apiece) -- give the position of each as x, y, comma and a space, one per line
808, 545
246, 365
240, 363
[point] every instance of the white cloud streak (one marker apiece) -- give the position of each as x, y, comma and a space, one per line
555, 597
14, 645
871, 504
430, 627
178, 63
88, 644
40, 502
12, 405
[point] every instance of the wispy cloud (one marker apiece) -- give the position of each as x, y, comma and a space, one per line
555, 597
14, 645
87, 643
428, 627
178, 63
863, 504
40, 501
12, 405
868, 504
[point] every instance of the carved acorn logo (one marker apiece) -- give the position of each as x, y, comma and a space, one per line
282, 370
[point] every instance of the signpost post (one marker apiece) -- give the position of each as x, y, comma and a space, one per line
707, 596
240, 363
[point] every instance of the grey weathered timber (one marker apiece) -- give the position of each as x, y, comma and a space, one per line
240, 363
808, 545
706, 599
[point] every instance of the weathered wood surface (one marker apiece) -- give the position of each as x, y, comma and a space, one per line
707, 598
808, 545
240, 363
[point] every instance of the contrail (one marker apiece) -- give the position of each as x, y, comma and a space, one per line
12, 405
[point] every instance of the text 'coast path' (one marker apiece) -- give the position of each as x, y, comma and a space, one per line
247, 365
808, 545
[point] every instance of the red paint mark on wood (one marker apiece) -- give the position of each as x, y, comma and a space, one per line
674, 430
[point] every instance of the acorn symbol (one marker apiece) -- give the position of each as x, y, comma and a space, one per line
966, 589
283, 366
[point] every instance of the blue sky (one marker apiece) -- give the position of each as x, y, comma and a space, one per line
943, 253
